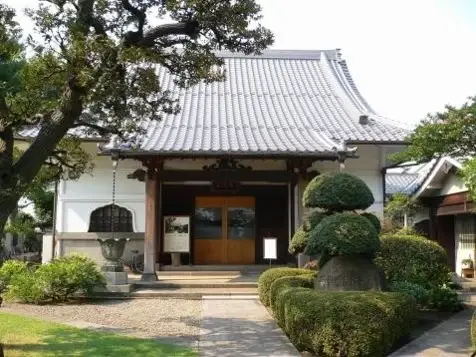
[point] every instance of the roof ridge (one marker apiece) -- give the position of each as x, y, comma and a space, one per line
285, 54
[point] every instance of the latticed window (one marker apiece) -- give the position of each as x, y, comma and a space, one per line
111, 218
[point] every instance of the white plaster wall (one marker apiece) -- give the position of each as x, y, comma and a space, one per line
368, 167
453, 184
77, 199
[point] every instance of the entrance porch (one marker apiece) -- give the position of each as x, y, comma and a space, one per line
225, 210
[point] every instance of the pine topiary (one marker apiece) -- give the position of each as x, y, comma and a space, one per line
374, 220
338, 192
298, 242
313, 219
344, 234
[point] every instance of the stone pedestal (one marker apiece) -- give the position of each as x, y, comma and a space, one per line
115, 277
349, 273
47, 252
302, 259
175, 259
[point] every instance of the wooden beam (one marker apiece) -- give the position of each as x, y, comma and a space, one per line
150, 236
264, 176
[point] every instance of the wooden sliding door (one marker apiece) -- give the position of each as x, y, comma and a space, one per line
224, 230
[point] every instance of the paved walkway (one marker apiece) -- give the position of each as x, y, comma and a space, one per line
232, 327
451, 338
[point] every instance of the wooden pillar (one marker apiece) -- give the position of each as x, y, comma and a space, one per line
151, 229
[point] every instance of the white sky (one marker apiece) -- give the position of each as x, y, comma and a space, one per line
407, 57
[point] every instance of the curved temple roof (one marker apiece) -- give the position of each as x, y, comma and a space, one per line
278, 103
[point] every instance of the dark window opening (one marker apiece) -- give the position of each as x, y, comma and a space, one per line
111, 218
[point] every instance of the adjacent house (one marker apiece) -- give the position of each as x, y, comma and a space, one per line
229, 170
446, 213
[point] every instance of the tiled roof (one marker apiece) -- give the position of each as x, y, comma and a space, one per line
407, 179
281, 102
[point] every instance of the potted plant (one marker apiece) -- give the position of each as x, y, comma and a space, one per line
467, 263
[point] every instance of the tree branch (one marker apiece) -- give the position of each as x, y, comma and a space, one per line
102, 130
140, 15
190, 28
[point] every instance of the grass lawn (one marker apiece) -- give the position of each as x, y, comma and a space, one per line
27, 337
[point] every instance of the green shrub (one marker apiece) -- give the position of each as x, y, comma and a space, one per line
346, 323
8, 270
281, 285
68, 275
56, 281
414, 259
343, 233
418, 292
313, 219
444, 299
268, 277
337, 192
473, 329
27, 288
374, 220
299, 241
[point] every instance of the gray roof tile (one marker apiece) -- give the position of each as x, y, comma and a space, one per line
281, 102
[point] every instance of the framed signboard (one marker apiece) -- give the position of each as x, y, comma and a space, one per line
270, 248
176, 234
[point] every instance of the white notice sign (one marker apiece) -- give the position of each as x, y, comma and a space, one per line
270, 248
176, 234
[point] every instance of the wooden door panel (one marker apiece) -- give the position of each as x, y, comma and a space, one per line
241, 230
240, 252
209, 230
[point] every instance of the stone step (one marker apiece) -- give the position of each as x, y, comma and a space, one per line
468, 297
197, 284
180, 293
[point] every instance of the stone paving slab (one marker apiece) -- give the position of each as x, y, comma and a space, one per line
451, 338
241, 327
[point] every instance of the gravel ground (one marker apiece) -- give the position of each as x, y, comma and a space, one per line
169, 320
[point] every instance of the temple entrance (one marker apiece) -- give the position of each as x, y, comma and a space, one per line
224, 230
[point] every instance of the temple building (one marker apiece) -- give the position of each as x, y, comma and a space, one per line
213, 181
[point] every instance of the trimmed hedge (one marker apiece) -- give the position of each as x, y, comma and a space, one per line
281, 285
345, 323
473, 330
413, 259
374, 220
268, 277
343, 233
338, 192
299, 241
418, 292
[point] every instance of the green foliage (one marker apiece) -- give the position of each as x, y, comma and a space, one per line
374, 220
56, 281
268, 277
337, 192
94, 67
473, 330
343, 233
27, 288
8, 270
399, 205
413, 259
468, 175
283, 284
298, 242
67, 275
443, 134
443, 298
418, 292
22, 223
345, 323
313, 219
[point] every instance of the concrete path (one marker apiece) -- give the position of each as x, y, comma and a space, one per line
451, 338
240, 327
